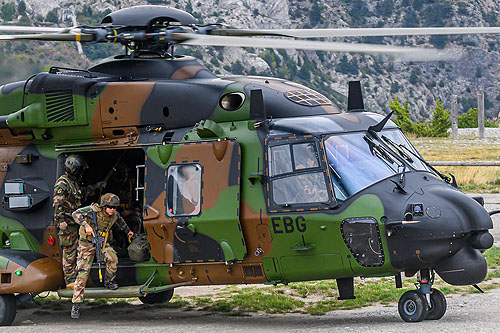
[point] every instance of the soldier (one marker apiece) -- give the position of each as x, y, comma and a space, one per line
106, 216
123, 183
68, 196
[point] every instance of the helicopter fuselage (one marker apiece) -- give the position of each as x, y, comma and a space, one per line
238, 180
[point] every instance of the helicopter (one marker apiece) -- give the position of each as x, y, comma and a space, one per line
239, 179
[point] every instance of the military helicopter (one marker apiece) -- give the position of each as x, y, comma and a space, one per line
239, 179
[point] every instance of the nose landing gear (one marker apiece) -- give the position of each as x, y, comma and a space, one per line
425, 303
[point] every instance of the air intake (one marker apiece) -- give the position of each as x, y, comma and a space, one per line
59, 106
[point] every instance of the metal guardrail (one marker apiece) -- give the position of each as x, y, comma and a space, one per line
464, 163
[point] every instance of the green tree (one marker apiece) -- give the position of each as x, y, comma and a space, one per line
21, 7
237, 68
25, 20
437, 13
411, 19
316, 14
348, 67
8, 11
402, 115
52, 16
440, 121
439, 41
413, 77
385, 7
462, 8
358, 12
491, 18
418, 4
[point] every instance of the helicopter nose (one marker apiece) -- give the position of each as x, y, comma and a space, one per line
460, 212
443, 229
466, 267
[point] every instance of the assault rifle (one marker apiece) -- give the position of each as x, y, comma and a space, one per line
99, 240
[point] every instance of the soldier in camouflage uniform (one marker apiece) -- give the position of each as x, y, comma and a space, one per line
106, 216
68, 195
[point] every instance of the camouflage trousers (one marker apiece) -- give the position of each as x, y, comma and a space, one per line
86, 253
68, 239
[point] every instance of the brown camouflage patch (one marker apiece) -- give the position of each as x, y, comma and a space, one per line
186, 72
121, 103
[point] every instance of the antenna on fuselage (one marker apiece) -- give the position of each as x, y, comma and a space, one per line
379, 126
257, 106
355, 97
258, 110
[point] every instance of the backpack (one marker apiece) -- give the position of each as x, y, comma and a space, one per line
138, 250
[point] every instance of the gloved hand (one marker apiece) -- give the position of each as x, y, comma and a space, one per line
101, 185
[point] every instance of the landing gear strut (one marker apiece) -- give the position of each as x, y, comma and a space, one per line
425, 303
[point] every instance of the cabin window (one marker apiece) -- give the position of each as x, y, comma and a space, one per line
184, 190
296, 176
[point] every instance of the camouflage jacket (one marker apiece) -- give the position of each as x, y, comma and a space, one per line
67, 197
83, 217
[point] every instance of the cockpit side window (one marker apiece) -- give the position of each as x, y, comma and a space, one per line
297, 176
304, 156
302, 188
280, 161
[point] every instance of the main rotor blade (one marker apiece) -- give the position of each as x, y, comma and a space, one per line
13, 28
355, 32
406, 53
63, 37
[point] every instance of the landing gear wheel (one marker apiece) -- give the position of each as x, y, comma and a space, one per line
157, 298
8, 309
438, 305
412, 306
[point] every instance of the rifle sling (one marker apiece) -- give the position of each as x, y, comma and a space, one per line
105, 241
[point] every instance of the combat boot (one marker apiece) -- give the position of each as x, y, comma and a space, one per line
75, 311
111, 285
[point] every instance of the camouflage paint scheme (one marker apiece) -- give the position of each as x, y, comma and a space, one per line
171, 110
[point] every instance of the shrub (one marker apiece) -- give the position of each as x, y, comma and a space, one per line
436, 128
469, 120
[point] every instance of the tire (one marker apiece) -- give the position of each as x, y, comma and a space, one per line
412, 306
157, 298
8, 309
438, 305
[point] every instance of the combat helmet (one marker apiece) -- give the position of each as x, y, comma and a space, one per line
75, 165
109, 199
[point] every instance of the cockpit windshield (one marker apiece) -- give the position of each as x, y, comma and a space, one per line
357, 161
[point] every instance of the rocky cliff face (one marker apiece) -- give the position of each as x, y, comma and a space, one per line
419, 83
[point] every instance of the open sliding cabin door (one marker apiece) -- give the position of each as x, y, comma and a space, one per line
196, 217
